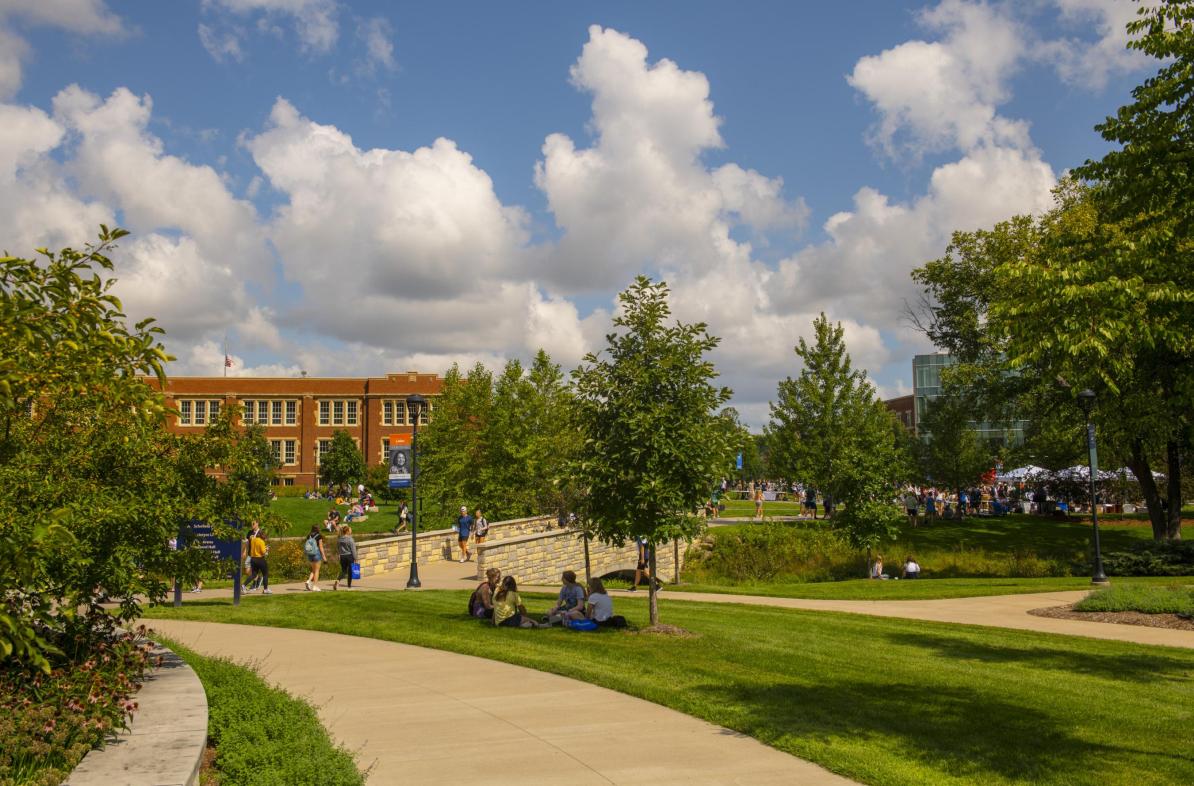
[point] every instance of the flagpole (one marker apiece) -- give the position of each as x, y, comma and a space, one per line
225, 355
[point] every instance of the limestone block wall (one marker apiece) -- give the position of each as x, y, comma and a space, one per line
393, 553
540, 558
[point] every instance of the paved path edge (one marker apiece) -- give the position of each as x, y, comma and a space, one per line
165, 740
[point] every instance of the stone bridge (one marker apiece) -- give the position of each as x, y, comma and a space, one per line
533, 550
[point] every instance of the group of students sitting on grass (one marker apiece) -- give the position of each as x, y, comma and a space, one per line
497, 599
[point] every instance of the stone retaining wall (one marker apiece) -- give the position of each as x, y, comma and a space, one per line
393, 553
540, 558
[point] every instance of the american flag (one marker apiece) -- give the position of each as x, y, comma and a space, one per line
227, 362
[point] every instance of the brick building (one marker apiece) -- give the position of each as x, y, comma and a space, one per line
301, 414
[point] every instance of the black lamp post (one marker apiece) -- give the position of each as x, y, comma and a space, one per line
1087, 399
415, 404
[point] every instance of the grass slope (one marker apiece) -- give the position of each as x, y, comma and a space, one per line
883, 701
264, 736
1169, 599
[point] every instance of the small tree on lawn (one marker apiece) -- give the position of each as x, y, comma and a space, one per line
828, 429
343, 464
654, 443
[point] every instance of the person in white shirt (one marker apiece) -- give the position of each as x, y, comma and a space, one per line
911, 568
599, 607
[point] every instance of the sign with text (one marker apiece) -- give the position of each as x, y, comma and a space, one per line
400, 461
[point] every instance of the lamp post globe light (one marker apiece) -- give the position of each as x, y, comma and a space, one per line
1087, 399
415, 404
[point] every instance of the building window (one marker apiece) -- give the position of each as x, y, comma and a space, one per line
197, 412
385, 451
393, 412
291, 414
324, 446
338, 412
284, 451
271, 412
263, 412
275, 413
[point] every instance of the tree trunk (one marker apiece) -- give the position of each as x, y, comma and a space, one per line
676, 561
652, 600
588, 568
1173, 453
1138, 462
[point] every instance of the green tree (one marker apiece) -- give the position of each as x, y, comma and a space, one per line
343, 464
827, 429
92, 486
647, 410
552, 438
1038, 308
952, 455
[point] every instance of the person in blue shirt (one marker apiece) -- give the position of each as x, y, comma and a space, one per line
643, 569
464, 526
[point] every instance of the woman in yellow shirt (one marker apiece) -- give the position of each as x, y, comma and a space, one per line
256, 547
508, 611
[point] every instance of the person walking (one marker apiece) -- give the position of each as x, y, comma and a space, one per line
643, 567
257, 550
403, 519
346, 547
480, 527
758, 503
313, 548
464, 526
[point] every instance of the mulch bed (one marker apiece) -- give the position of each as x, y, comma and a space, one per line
668, 630
1172, 621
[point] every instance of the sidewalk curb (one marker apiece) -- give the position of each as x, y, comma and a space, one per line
164, 743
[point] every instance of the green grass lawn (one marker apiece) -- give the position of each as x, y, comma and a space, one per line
740, 508
879, 700
1168, 599
921, 589
305, 513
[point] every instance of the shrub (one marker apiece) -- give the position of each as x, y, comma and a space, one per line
1152, 558
48, 722
1142, 598
264, 736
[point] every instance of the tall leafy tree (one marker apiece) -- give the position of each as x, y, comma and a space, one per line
647, 409
92, 486
952, 454
343, 464
829, 430
552, 437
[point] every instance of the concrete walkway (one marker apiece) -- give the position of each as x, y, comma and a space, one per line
416, 715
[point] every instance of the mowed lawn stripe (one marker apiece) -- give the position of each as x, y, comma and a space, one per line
886, 701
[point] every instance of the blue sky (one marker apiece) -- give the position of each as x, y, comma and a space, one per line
278, 163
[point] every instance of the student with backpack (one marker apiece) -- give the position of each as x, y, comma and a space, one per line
480, 603
313, 548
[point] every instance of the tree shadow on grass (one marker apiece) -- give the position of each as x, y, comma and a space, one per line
1140, 667
955, 732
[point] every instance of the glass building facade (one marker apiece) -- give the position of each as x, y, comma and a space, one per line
926, 386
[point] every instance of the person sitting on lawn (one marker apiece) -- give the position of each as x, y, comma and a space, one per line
911, 568
572, 596
331, 523
600, 606
877, 568
482, 601
508, 611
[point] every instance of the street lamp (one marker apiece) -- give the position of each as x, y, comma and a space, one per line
1087, 399
415, 404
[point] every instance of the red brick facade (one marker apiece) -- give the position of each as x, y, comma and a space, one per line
299, 413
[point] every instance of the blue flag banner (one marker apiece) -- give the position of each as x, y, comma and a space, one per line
739, 461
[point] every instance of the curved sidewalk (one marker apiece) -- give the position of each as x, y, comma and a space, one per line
416, 715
